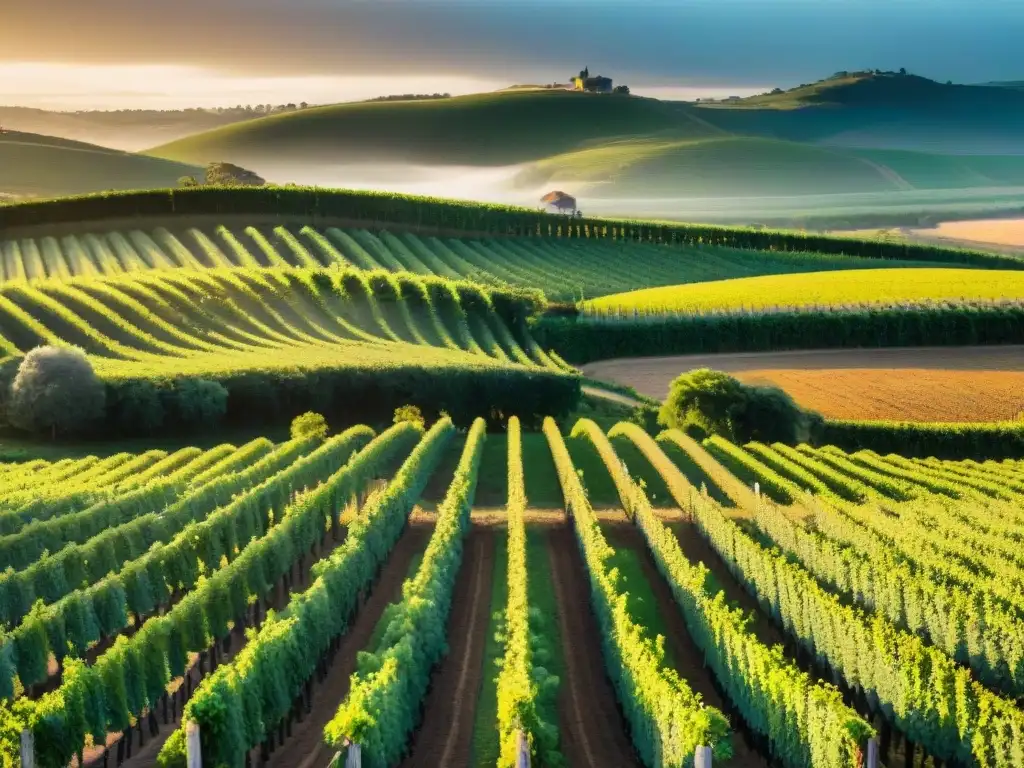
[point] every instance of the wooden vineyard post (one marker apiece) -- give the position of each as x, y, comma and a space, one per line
872, 757
354, 759
523, 751
28, 749
193, 750
702, 759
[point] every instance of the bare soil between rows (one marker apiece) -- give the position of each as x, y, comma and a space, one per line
445, 737
687, 657
305, 748
593, 731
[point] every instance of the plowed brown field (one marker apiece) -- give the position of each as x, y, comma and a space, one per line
909, 384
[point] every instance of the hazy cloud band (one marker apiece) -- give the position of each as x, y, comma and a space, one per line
734, 41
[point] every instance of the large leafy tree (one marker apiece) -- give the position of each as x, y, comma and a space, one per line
714, 403
56, 391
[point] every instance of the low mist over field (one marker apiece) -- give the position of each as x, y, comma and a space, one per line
795, 113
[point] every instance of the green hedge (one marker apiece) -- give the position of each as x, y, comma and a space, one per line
582, 341
386, 208
1002, 440
352, 395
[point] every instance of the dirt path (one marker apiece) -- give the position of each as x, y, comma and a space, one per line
306, 748
445, 737
614, 397
592, 728
688, 658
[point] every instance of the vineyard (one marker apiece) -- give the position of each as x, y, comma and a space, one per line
772, 605
471, 562
853, 290
565, 270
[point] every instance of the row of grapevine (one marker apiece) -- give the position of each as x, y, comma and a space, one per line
437, 215
740, 463
26, 309
741, 495
982, 634
383, 705
566, 270
109, 509
668, 721
519, 688
806, 724
56, 575
944, 561
137, 587
65, 498
133, 674
242, 701
583, 341
915, 686
864, 472
839, 484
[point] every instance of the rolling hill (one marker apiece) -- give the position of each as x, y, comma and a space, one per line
882, 111
480, 130
32, 165
736, 166
128, 129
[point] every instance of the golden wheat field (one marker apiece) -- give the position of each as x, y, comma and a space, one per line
995, 231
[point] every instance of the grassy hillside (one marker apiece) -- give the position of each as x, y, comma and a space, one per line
44, 166
485, 129
872, 286
882, 111
878, 90
130, 130
747, 167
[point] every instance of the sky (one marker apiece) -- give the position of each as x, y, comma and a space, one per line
70, 54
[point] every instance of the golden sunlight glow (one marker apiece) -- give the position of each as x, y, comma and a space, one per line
118, 86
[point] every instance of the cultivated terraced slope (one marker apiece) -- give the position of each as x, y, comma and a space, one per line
879, 287
563, 269
215, 321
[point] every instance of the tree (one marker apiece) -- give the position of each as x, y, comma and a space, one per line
410, 413
622, 89
56, 391
703, 399
198, 402
903, 71
188, 181
228, 174
309, 424
714, 403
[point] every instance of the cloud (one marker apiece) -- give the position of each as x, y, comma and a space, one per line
654, 41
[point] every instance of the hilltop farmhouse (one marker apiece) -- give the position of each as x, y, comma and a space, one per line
595, 84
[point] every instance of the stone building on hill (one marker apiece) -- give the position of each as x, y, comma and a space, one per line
595, 84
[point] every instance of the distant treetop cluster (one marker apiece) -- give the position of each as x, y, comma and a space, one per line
411, 97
